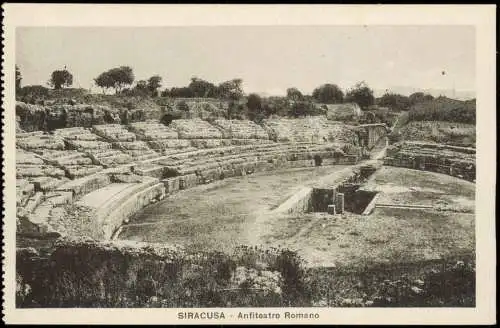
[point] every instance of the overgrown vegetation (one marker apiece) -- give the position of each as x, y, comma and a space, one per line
444, 109
434, 283
85, 273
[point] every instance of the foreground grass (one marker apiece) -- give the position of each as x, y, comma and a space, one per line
85, 273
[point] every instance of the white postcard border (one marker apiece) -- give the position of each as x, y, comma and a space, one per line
481, 16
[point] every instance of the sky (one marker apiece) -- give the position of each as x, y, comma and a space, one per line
269, 59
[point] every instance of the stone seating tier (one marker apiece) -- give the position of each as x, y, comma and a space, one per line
38, 142
110, 157
195, 129
241, 129
24, 157
76, 133
24, 171
152, 130
87, 145
114, 132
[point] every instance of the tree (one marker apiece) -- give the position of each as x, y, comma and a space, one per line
116, 78
231, 90
202, 88
104, 81
394, 101
361, 94
141, 89
18, 78
328, 94
61, 78
294, 94
304, 108
419, 97
183, 92
254, 104
276, 105
153, 84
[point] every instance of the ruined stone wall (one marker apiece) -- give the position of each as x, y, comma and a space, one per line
455, 161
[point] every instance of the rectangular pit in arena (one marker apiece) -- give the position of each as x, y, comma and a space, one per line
337, 193
346, 198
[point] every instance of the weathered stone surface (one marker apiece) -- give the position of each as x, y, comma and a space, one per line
171, 184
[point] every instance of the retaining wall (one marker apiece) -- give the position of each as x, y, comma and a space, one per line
130, 206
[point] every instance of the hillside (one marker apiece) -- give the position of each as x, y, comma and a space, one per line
444, 109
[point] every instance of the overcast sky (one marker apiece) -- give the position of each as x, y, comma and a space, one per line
268, 59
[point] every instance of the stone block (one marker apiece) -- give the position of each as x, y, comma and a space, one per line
339, 203
171, 184
188, 181
331, 209
59, 198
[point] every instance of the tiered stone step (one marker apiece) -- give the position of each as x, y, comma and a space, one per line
109, 157
203, 166
76, 133
24, 135
309, 129
164, 144
241, 129
50, 210
195, 129
45, 184
85, 184
30, 171
37, 142
450, 160
84, 145
66, 157
24, 190
75, 163
152, 130
114, 132
138, 150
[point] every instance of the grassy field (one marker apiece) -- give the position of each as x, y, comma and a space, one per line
389, 234
236, 211
386, 236
220, 215
404, 186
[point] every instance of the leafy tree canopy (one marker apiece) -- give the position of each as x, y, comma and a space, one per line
116, 78
60, 78
328, 94
361, 94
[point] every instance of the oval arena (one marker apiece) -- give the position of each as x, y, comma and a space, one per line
219, 184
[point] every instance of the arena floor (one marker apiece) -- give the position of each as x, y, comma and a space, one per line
235, 211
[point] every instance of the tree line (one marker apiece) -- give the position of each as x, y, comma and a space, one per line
121, 79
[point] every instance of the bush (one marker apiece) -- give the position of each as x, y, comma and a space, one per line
32, 94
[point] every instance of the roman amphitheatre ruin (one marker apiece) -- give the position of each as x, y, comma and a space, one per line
336, 192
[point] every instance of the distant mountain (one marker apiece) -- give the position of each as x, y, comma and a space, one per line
406, 91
